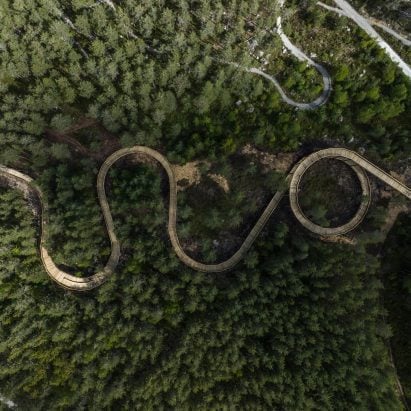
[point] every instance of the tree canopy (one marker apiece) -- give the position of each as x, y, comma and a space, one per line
299, 325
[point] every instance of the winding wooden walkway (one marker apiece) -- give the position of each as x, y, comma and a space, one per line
359, 164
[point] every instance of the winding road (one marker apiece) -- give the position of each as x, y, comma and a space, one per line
345, 9
301, 56
390, 31
359, 164
294, 50
372, 21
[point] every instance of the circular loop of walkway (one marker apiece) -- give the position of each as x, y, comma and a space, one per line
297, 174
359, 164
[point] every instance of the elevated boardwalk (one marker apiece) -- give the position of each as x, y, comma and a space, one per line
359, 164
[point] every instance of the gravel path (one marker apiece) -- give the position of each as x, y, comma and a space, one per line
300, 55
372, 21
389, 30
347, 10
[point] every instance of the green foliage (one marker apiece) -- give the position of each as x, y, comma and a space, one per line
396, 272
342, 73
295, 327
168, 82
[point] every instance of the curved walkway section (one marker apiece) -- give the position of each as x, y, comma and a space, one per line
298, 173
357, 162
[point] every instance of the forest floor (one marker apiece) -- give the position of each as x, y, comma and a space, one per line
83, 129
190, 174
330, 193
278, 162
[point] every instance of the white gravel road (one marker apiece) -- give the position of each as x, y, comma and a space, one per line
362, 22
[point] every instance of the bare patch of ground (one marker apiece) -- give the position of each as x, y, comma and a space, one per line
140, 158
221, 181
187, 175
191, 246
278, 162
339, 240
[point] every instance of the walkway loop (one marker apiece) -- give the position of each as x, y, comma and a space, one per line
359, 164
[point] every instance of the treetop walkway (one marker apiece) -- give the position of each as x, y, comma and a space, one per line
358, 163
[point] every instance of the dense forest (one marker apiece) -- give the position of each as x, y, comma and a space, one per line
300, 324
396, 272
